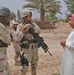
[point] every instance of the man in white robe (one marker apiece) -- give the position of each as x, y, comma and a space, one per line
67, 66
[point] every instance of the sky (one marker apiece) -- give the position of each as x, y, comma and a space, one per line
14, 5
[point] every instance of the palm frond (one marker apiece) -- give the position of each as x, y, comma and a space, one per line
30, 6
44, 6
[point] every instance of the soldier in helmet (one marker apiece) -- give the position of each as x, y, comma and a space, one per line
4, 40
30, 52
15, 44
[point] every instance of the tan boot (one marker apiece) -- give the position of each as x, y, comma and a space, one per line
17, 63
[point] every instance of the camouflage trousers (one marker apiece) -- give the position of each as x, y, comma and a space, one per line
4, 67
25, 69
17, 52
31, 55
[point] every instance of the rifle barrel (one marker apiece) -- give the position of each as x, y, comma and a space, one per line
49, 53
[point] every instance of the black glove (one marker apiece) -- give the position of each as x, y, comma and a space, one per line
31, 30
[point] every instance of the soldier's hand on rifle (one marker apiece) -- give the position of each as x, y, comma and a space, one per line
25, 28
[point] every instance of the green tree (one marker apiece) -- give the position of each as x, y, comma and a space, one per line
70, 5
52, 17
43, 6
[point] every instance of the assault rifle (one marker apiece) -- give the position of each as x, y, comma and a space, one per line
39, 41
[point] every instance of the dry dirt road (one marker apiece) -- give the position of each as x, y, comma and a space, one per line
47, 65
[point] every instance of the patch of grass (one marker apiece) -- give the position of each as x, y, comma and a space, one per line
55, 74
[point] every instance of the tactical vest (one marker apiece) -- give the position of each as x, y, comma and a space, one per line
26, 41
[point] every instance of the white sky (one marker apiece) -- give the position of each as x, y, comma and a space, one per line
13, 5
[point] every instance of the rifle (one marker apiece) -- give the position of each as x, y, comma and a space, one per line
39, 41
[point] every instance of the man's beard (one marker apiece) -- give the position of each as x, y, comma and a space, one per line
8, 23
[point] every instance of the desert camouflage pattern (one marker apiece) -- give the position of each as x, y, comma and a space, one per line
5, 37
31, 54
17, 48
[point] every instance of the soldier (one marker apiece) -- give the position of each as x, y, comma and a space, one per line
29, 51
4, 40
15, 44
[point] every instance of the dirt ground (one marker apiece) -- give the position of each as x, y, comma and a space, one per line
47, 65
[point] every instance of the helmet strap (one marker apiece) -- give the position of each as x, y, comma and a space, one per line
25, 20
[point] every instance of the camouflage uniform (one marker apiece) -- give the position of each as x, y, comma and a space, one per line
5, 37
4, 40
31, 54
15, 44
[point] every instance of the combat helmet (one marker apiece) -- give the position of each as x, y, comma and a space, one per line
4, 11
26, 13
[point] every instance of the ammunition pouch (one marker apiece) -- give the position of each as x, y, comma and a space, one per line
2, 44
24, 43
